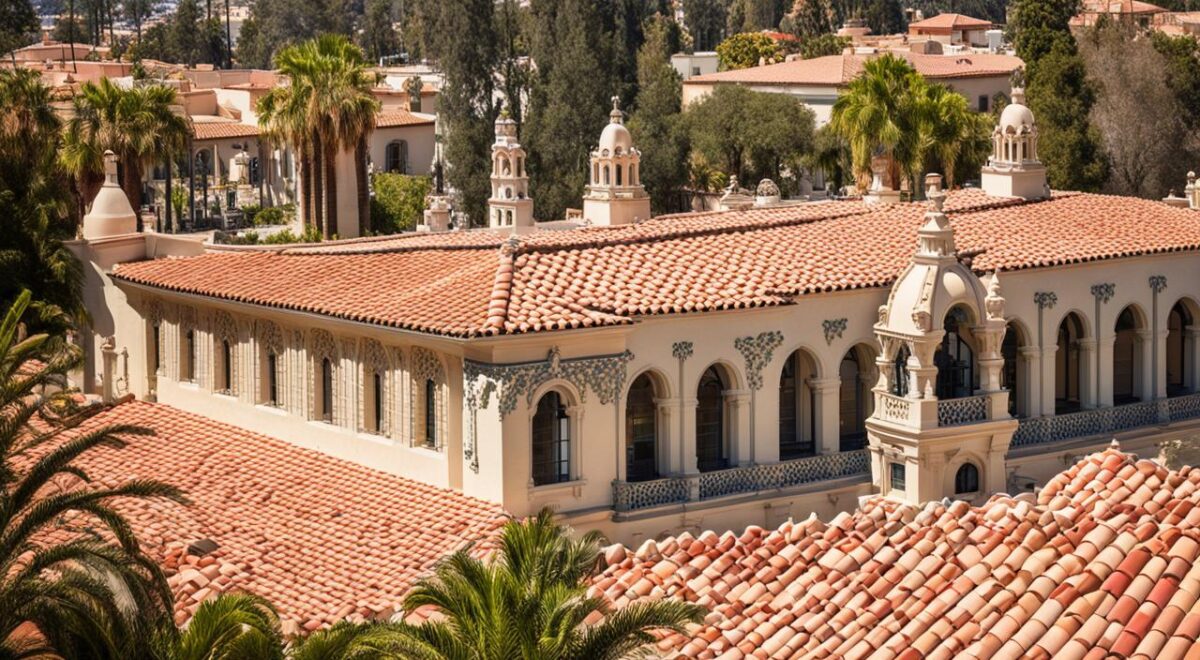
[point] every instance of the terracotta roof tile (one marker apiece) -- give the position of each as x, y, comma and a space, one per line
952, 21
838, 70
459, 284
915, 596
401, 117
322, 538
219, 130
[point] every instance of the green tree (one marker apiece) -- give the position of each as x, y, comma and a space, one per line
823, 45
1182, 56
398, 203
748, 49
780, 137
531, 601
705, 21
465, 102
34, 200
138, 124
276, 24
568, 101
955, 140
377, 35
750, 135
878, 117
94, 595
18, 25
884, 16
812, 19
656, 124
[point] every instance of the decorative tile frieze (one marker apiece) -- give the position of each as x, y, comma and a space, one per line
833, 329
757, 352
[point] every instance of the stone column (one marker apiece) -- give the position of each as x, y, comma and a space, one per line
575, 413
108, 369
1028, 361
666, 432
827, 422
687, 446
1191, 340
1048, 383
1092, 354
741, 444
1146, 352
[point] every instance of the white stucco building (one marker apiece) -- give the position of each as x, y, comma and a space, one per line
693, 371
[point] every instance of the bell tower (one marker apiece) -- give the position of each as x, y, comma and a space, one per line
509, 206
941, 425
1013, 170
615, 195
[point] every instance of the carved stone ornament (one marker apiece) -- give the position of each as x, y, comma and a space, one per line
833, 329
923, 320
604, 375
269, 336
1158, 283
1104, 292
757, 352
682, 350
994, 302
1045, 299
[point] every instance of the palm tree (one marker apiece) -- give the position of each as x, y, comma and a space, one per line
879, 116
952, 135
34, 200
531, 602
326, 109
230, 626
138, 124
95, 594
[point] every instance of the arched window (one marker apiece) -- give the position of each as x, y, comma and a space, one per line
327, 390
156, 343
966, 480
606, 175
852, 403
1010, 350
633, 174
618, 174
551, 441
900, 372
430, 413
955, 359
641, 431
396, 157
188, 368
226, 372
271, 396
595, 173
710, 422
375, 403
797, 425
1125, 358
1067, 367
1179, 320
505, 166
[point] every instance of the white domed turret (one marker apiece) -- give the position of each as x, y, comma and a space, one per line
111, 213
615, 195
510, 206
1014, 169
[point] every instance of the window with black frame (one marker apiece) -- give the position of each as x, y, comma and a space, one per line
641, 431
966, 479
710, 422
955, 358
551, 441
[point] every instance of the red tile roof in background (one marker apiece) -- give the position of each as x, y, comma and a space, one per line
220, 130
321, 538
952, 21
401, 117
838, 70
1102, 563
459, 284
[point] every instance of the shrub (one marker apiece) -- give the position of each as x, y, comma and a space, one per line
273, 215
398, 202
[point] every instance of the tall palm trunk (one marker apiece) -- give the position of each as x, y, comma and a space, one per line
364, 198
329, 167
228, 39
316, 174
169, 200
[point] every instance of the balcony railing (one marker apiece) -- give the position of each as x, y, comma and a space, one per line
965, 410
1081, 424
631, 496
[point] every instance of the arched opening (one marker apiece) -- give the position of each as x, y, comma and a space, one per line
797, 407
396, 157
430, 439
900, 381
595, 173
955, 358
619, 174
1126, 378
1068, 369
226, 368
966, 479
1014, 375
606, 175
271, 395
551, 440
633, 174
187, 369
373, 419
155, 347
505, 166
854, 398
326, 390
641, 430
711, 452
1180, 380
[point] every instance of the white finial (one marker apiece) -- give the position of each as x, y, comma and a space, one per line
934, 193
110, 168
1018, 95
616, 116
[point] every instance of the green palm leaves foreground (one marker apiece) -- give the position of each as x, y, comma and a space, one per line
890, 111
95, 594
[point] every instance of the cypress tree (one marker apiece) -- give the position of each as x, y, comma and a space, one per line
656, 122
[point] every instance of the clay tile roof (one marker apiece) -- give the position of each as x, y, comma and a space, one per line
401, 117
323, 539
952, 21
448, 283
837, 70
219, 130
1018, 577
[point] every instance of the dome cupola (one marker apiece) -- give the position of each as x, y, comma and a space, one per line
614, 194
1013, 170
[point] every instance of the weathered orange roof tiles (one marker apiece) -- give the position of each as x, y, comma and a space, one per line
1101, 563
450, 284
